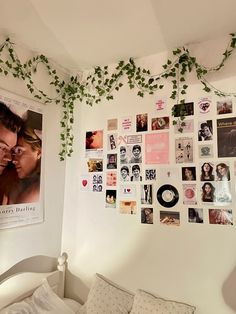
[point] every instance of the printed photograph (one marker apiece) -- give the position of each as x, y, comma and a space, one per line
188, 173
186, 110
136, 156
112, 141
125, 173
160, 123
97, 183
97, 187
97, 179
150, 174
225, 106
206, 151
110, 198
222, 172
170, 218
195, 215
205, 131
21, 139
223, 193
111, 161
95, 165
207, 172
141, 122
94, 140
226, 137
184, 150
124, 154
208, 192
136, 173
147, 215
220, 216
186, 126
128, 207
111, 178
112, 124
146, 193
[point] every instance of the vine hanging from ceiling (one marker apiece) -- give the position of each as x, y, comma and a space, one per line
102, 82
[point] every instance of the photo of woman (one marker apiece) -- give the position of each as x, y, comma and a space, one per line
208, 192
205, 132
188, 173
206, 172
222, 172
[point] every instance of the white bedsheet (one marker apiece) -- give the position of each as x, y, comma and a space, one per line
43, 301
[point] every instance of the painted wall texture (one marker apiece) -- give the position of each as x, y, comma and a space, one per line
192, 262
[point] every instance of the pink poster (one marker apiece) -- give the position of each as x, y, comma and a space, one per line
157, 148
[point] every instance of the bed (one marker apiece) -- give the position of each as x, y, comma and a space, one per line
43, 282
36, 285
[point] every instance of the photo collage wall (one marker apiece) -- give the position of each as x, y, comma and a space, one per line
143, 165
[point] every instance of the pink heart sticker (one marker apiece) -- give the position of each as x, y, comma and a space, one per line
84, 182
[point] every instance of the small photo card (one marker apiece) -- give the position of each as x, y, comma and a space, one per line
220, 216
128, 207
195, 215
170, 218
112, 124
110, 199
111, 178
150, 174
147, 215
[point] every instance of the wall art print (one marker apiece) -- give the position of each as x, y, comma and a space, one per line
21, 194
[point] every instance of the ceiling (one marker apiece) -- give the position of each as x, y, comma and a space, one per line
79, 34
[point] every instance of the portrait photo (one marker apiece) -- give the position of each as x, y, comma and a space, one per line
224, 106
141, 122
147, 215
205, 131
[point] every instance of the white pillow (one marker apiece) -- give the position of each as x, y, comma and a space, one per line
106, 297
72, 304
43, 300
146, 303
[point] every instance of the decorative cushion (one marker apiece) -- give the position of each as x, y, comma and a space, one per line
43, 300
146, 303
106, 297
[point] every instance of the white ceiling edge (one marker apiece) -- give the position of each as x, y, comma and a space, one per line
78, 34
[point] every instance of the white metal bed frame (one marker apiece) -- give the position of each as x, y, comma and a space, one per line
16, 284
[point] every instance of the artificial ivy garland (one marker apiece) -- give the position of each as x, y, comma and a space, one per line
101, 83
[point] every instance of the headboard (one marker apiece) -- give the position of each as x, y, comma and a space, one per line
18, 283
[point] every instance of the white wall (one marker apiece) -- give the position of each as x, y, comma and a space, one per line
192, 263
43, 238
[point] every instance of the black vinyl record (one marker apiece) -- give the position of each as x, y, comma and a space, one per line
167, 195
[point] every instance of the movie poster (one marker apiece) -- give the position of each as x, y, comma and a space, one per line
226, 137
21, 199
